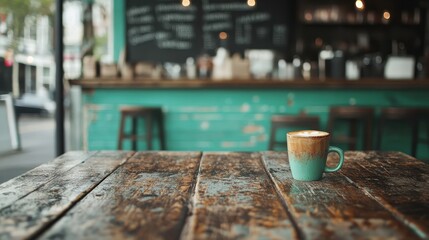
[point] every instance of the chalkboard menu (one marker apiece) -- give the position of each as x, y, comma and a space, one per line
166, 31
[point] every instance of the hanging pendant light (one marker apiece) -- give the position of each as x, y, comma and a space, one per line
359, 4
186, 3
251, 3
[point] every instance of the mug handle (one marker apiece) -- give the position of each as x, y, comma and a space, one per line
340, 153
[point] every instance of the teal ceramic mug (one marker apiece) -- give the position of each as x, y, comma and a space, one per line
307, 153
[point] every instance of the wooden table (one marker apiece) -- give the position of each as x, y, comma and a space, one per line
194, 195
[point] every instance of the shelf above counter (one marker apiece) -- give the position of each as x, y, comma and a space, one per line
358, 25
147, 83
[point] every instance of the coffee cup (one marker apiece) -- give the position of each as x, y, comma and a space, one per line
307, 153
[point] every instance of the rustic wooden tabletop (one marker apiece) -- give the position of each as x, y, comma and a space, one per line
194, 195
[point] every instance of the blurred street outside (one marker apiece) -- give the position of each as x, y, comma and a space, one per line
37, 135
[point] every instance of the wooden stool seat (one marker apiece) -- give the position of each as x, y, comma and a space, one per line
150, 115
352, 115
286, 121
408, 116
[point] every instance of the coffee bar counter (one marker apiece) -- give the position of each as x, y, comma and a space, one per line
370, 83
234, 115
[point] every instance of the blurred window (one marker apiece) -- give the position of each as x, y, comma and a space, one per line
30, 31
46, 75
30, 79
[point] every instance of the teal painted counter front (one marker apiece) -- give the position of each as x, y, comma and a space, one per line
235, 119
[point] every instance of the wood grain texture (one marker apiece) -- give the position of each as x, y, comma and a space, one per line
29, 215
189, 195
235, 199
146, 198
332, 208
28, 182
395, 180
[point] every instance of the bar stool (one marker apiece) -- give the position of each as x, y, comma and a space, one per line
424, 119
408, 116
150, 115
286, 121
352, 115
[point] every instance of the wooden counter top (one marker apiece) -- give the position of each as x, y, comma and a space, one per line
215, 195
147, 83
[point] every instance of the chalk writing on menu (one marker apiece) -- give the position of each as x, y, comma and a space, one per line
164, 30
261, 26
160, 30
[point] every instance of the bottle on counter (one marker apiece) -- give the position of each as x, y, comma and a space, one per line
285, 70
222, 65
191, 68
325, 59
338, 65
352, 69
306, 70
296, 62
205, 66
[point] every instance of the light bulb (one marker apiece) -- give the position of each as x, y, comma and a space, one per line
186, 3
223, 35
360, 5
386, 15
251, 3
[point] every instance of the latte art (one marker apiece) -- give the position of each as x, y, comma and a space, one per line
309, 133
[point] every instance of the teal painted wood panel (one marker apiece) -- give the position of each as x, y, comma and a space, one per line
118, 28
234, 120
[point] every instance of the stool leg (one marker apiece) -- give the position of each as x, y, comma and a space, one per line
330, 127
368, 135
414, 136
353, 133
425, 138
134, 133
121, 132
427, 133
272, 137
161, 131
379, 133
149, 131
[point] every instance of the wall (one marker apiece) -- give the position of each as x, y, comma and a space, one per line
118, 28
234, 120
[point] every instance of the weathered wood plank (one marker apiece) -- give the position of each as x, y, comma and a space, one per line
234, 199
397, 181
31, 214
24, 184
332, 208
146, 198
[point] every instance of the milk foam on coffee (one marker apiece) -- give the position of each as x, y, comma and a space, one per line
309, 133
